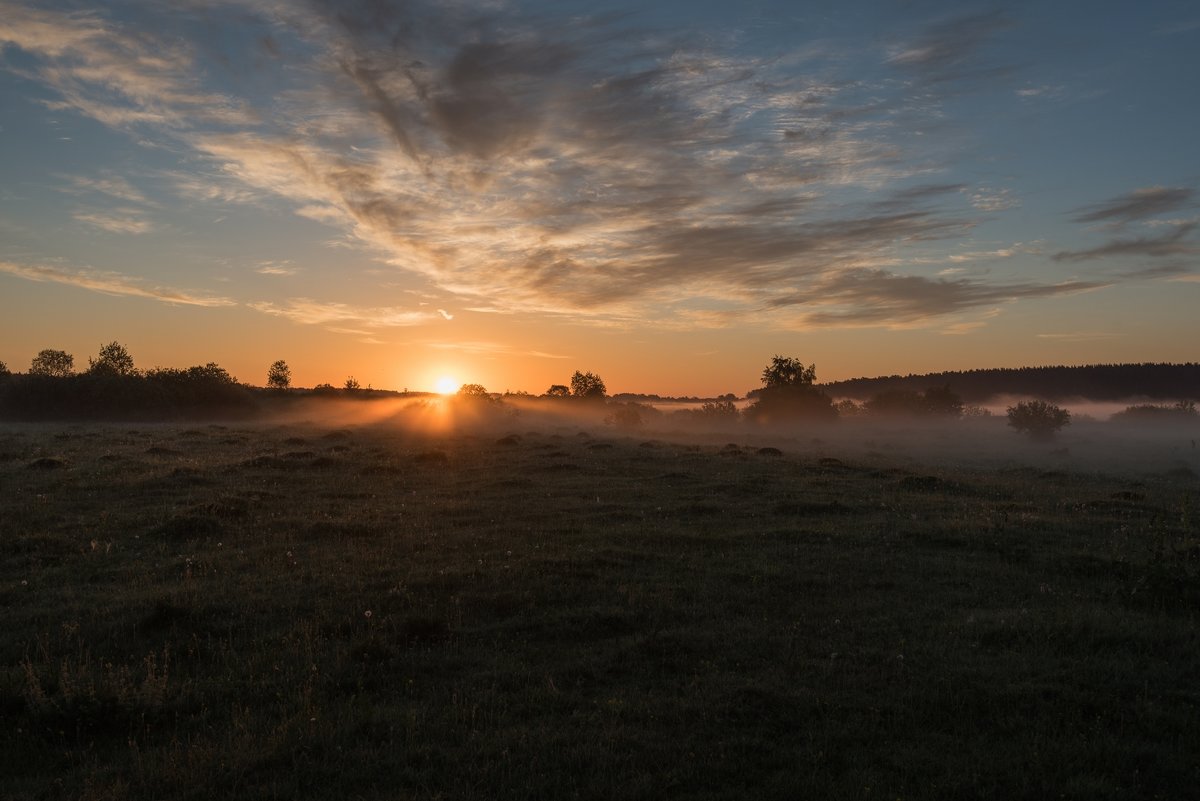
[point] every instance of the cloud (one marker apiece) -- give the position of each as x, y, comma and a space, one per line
108, 184
571, 165
281, 268
950, 50
117, 221
1081, 336
1044, 91
336, 316
106, 72
874, 297
1138, 205
487, 348
110, 283
1172, 243
987, 199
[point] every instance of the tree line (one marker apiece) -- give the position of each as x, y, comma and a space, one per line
1099, 382
113, 388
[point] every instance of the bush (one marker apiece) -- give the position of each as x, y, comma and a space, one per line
719, 411
1151, 413
626, 415
1038, 419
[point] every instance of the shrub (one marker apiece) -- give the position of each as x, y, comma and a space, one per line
719, 410
1149, 412
1038, 419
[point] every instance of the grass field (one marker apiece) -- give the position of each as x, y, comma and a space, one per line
367, 612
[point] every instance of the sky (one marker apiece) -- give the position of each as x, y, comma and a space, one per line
506, 192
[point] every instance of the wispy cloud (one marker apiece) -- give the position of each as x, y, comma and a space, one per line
950, 50
579, 166
987, 199
1172, 243
117, 221
109, 184
1081, 336
117, 77
486, 348
1138, 205
110, 283
280, 268
338, 316
874, 297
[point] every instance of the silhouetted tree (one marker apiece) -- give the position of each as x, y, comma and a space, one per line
933, 402
788, 394
787, 372
54, 363
4, 371
279, 375
941, 402
625, 415
114, 359
558, 391
351, 383
587, 386
895, 403
719, 410
476, 391
1038, 419
848, 408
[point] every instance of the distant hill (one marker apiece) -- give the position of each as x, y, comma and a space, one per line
1101, 382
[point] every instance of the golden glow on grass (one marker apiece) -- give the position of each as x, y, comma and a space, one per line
446, 385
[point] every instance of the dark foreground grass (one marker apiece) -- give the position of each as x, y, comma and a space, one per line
305, 613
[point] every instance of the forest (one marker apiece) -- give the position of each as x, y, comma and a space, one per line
1097, 382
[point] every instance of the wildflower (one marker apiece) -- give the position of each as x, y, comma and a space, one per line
367, 614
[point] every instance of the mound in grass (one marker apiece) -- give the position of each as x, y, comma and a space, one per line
47, 463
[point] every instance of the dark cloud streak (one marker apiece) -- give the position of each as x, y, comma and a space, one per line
1137, 205
1172, 243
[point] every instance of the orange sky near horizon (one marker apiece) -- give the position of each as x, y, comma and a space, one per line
694, 363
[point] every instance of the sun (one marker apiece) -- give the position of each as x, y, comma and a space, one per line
446, 385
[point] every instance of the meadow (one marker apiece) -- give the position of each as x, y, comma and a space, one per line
557, 611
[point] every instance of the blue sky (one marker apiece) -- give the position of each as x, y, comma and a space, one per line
507, 192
